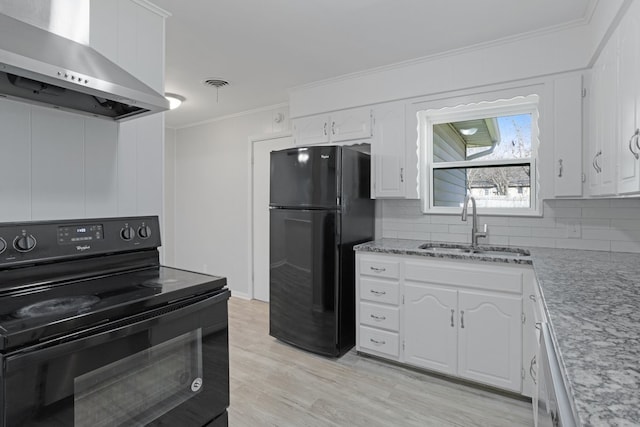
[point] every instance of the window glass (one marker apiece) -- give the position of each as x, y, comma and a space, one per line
492, 187
487, 150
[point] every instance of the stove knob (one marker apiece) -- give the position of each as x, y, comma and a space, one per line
127, 233
24, 243
144, 232
3, 245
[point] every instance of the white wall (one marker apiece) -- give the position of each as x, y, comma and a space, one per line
212, 195
603, 224
168, 239
59, 165
530, 55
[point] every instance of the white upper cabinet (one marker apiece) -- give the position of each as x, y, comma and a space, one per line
568, 136
346, 125
629, 102
388, 151
602, 151
311, 130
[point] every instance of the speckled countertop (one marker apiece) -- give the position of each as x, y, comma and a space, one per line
593, 304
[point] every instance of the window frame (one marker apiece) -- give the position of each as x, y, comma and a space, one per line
529, 104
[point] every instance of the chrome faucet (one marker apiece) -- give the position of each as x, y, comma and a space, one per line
475, 234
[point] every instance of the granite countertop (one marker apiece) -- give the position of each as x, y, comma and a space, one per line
592, 300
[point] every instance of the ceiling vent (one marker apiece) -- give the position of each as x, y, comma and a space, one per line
216, 83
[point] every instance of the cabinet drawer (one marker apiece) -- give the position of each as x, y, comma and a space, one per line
382, 291
380, 316
379, 341
379, 267
466, 275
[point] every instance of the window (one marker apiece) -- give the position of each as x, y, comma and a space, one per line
488, 150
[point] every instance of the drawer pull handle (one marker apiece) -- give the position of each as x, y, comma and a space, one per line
378, 293
452, 311
462, 319
378, 270
379, 318
376, 342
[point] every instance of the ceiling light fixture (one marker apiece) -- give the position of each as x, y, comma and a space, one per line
174, 100
469, 132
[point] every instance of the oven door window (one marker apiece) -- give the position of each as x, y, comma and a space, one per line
169, 368
127, 392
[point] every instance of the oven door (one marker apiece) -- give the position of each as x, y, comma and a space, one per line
166, 367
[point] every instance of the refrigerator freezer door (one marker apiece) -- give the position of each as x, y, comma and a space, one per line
304, 278
305, 177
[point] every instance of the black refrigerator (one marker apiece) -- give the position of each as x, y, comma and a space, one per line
320, 207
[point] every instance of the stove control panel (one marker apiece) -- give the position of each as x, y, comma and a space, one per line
40, 241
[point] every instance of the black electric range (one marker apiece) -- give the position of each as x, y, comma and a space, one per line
94, 331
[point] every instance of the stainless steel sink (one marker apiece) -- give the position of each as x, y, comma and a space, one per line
480, 250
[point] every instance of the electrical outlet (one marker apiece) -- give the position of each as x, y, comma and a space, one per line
574, 230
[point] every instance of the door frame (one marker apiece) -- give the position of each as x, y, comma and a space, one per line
253, 140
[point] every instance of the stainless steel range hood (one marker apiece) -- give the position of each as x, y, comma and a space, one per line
42, 68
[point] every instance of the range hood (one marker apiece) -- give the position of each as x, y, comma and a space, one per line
42, 68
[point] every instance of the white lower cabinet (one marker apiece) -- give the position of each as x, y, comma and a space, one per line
490, 339
430, 333
463, 319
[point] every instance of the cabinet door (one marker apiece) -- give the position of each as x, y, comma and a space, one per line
603, 152
628, 102
490, 339
430, 327
351, 124
388, 151
311, 130
568, 136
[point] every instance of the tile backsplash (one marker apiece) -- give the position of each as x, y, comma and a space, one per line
601, 224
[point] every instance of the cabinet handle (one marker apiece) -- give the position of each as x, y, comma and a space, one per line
401, 174
452, 311
560, 168
532, 298
378, 292
377, 342
634, 136
532, 371
378, 318
538, 326
378, 269
462, 319
325, 129
595, 162
333, 128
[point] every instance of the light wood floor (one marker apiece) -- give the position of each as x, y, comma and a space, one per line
274, 384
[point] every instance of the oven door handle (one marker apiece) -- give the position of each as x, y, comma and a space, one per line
127, 326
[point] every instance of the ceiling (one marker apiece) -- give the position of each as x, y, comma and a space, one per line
262, 48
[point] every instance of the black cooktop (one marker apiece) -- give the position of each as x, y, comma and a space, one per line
36, 314
62, 278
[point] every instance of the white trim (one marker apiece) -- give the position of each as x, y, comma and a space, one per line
253, 140
153, 8
240, 295
521, 104
585, 20
232, 116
